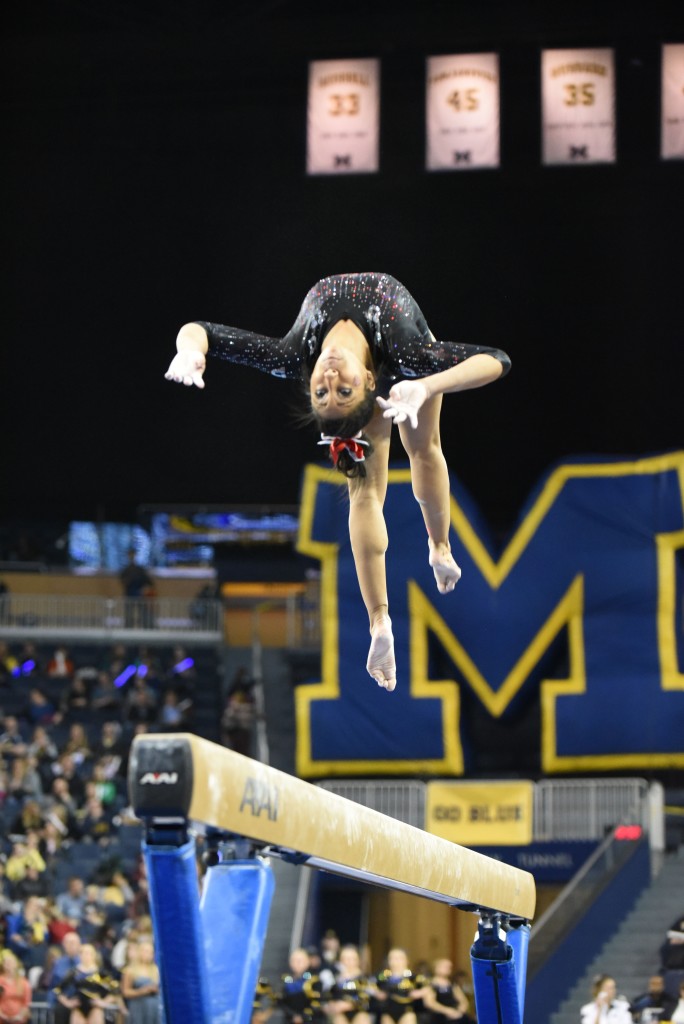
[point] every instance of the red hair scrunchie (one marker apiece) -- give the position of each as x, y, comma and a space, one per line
353, 445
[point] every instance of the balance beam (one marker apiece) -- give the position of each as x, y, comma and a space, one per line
181, 776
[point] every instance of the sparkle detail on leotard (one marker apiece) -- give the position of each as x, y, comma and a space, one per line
400, 341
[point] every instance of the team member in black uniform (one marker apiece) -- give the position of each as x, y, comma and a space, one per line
87, 991
399, 989
301, 992
262, 1004
348, 999
445, 1000
362, 346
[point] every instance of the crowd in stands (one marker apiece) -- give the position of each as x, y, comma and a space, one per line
75, 930
662, 1000
336, 986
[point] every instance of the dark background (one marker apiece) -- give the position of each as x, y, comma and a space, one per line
153, 173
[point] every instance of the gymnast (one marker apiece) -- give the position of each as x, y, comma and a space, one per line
367, 359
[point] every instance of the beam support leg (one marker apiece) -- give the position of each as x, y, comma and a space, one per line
498, 975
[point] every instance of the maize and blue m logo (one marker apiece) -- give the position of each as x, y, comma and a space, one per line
597, 559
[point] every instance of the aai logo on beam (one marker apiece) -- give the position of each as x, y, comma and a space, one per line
597, 559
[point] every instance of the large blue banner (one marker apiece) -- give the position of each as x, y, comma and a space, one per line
596, 560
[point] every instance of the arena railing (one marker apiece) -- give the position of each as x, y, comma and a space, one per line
563, 809
72, 617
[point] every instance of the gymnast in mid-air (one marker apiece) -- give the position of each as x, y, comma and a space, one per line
367, 359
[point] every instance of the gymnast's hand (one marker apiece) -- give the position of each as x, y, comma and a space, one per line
187, 367
405, 399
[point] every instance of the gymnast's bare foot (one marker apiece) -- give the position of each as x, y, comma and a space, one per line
381, 664
447, 573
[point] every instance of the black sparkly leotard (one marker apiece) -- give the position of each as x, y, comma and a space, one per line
401, 344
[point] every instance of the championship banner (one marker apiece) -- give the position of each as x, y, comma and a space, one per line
578, 106
462, 111
672, 128
480, 813
343, 121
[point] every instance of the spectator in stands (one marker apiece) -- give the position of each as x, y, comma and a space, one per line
655, 998
62, 804
65, 768
24, 780
301, 991
77, 746
102, 785
43, 749
15, 991
606, 1005
30, 817
75, 698
105, 696
135, 579
23, 855
140, 986
12, 743
41, 991
174, 713
86, 990
34, 883
140, 703
27, 933
52, 838
330, 950
138, 587
71, 901
58, 924
125, 948
111, 742
672, 950
94, 916
71, 952
95, 822
41, 711
443, 998
60, 665
349, 996
239, 714
398, 988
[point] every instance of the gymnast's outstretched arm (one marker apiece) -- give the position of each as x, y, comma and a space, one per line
407, 397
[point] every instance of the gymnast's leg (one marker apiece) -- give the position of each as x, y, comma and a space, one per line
368, 535
430, 482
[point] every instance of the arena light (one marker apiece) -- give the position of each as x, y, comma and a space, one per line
629, 832
123, 678
184, 665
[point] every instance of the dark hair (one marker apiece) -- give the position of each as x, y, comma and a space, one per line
350, 426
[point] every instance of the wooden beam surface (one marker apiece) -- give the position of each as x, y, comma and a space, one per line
185, 775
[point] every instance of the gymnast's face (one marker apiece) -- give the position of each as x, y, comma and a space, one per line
339, 381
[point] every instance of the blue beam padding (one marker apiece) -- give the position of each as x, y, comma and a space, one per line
495, 976
234, 908
519, 941
174, 903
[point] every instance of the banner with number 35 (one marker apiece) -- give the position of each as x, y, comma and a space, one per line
578, 106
